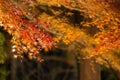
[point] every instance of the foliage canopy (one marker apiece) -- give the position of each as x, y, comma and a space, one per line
40, 24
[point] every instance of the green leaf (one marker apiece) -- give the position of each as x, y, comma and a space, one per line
2, 39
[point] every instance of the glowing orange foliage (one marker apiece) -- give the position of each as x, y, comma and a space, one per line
29, 36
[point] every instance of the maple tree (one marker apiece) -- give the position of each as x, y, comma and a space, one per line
99, 35
40, 24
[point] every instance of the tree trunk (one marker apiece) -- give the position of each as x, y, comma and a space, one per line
118, 75
89, 70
